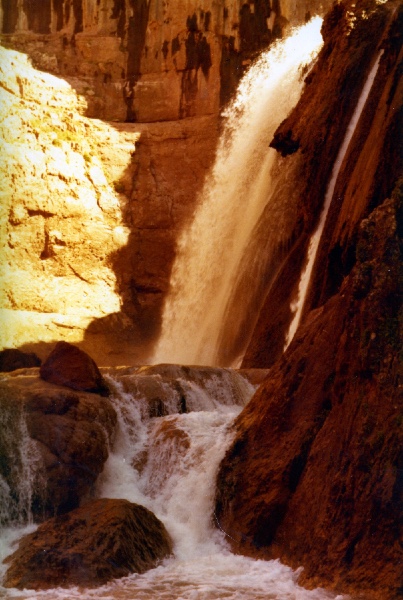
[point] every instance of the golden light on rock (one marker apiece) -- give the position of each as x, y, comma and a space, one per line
61, 219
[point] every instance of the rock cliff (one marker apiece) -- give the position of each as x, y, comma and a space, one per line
314, 475
144, 60
99, 234
370, 168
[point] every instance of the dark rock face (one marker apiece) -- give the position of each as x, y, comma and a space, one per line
12, 359
103, 540
71, 432
314, 476
315, 473
71, 367
353, 37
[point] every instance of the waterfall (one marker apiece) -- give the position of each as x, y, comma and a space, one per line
237, 191
22, 481
298, 305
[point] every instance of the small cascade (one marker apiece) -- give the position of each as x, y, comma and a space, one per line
239, 189
303, 287
166, 456
22, 481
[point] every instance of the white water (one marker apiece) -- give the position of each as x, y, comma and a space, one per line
303, 287
234, 196
169, 465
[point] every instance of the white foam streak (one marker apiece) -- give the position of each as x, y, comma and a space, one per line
297, 307
234, 196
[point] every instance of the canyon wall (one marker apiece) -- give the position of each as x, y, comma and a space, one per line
90, 220
144, 60
314, 475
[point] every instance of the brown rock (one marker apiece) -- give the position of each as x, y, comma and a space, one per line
103, 540
370, 168
314, 475
69, 435
71, 367
13, 359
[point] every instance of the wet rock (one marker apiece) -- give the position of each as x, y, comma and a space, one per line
103, 540
314, 474
69, 366
13, 359
53, 440
353, 34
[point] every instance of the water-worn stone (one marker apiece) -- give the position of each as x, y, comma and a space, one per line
103, 540
58, 438
71, 367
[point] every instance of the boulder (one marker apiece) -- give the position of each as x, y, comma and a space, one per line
53, 445
69, 366
103, 540
12, 359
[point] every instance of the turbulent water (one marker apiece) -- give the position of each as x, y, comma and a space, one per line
242, 185
169, 465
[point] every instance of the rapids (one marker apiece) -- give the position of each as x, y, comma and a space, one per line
169, 464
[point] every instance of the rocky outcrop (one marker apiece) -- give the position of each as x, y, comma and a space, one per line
88, 223
71, 367
314, 475
146, 61
12, 359
354, 36
315, 472
54, 443
103, 540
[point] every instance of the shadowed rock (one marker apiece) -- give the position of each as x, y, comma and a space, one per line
69, 366
103, 540
60, 436
13, 359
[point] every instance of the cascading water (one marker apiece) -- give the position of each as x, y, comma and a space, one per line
238, 190
169, 464
303, 287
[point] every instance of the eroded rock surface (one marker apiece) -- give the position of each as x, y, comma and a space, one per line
354, 35
103, 540
146, 60
314, 475
54, 443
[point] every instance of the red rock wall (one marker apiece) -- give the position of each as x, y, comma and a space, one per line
143, 60
314, 475
316, 129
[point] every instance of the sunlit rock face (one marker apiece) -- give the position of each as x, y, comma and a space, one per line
61, 215
146, 60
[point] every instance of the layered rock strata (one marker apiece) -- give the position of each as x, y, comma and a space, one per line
144, 60
89, 223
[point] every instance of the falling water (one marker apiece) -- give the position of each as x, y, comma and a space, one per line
234, 197
169, 464
297, 307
